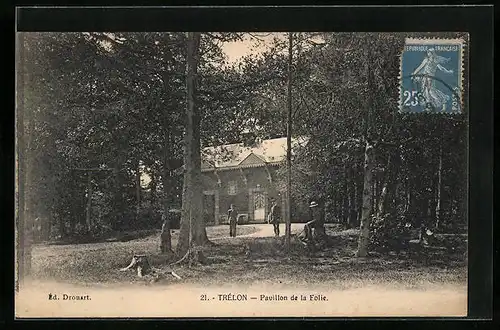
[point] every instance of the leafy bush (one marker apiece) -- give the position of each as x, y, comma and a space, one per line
95, 232
80, 231
389, 233
98, 230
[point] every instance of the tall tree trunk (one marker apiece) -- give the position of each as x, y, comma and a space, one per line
191, 231
383, 194
389, 188
358, 197
152, 211
137, 191
349, 199
374, 192
46, 227
29, 203
23, 247
117, 196
439, 187
62, 226
364, 234
88, 209
335, 206
367, 205
152, 194
288, 224
352, 199
408, 195
419, 202
165, 236
342, 190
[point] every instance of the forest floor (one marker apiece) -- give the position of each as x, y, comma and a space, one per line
253, 256
254, 261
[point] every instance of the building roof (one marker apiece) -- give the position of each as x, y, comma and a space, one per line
235, 156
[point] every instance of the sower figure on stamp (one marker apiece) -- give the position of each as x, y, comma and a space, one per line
232, 214
274, 217
425, 75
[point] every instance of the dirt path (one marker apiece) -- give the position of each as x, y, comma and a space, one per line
263, 230
267, 230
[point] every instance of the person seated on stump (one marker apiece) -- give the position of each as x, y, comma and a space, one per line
315, 223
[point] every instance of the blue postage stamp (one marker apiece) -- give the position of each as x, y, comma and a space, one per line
431, 76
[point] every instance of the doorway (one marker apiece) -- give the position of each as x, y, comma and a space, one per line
259, 206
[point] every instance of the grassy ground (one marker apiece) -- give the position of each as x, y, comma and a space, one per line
248, 260
99, 262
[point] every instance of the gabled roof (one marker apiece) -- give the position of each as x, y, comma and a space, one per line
234, 156
252, 159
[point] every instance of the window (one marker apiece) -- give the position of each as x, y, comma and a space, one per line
233, 187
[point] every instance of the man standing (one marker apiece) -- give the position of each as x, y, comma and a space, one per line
274, 217
232, 214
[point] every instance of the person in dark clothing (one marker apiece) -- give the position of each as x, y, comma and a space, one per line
315, 223
232, 215
274, 217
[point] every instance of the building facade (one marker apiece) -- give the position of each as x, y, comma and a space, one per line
245, 176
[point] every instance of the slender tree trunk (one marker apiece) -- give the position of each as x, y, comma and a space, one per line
88, 209
288, 225
117, 194
153, 186
374, 192
367, 205
23, 260
408, 196
165, 237
29, 203
345, 205
137, 191
352, 199
357, 198
335, 206
152, 196
46, 226
388, 193
364, 235
349, 199
185, 233
439, 187
77, 213
383, 194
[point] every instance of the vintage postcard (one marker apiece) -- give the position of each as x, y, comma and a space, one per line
209, 174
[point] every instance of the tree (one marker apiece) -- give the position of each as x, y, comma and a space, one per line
192, 202
288, 227
23, 230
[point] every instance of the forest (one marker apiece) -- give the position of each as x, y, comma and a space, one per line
100, 112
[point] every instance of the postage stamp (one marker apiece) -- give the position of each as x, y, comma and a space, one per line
431, 75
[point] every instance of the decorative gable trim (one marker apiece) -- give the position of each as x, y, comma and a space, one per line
252, 159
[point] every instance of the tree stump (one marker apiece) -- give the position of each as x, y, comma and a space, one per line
141, 264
